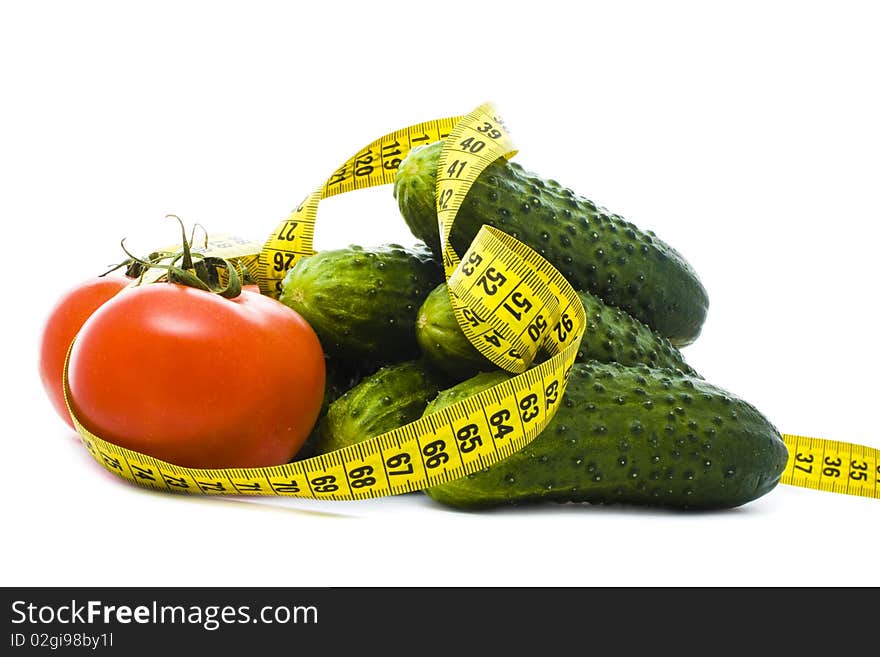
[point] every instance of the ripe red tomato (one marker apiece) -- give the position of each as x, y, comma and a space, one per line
64, 321
197, 380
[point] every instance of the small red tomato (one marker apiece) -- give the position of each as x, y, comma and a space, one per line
61, 326
197, 380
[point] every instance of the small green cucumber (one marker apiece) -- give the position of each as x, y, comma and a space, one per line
393, 396
631, 435
341, 377
611, 335
362, 302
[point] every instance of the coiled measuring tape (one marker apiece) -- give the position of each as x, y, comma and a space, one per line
509, 302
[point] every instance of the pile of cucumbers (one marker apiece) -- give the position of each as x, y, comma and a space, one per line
637, 424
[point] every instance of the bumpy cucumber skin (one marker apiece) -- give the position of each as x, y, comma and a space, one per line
596, 251
630, 435
611, 335
393, 396
341, 377
362, 302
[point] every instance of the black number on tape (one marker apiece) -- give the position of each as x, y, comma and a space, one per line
395, 464
551, 393
287, 231
111, 461
143, 473
491, 281
802, 458
468, 268
493, 338
286, 487
832, 468
444, 198
456, 168
469, 438
472, 145
390, 151
498, 420
363, 164
360, 477
282, 261
436, 454
529, 407
324, 484
563, 326
521, 302
472, 317
858, 470
537, 327
490, 130
338, 176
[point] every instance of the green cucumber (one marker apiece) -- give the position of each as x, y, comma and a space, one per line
596, 251
362, 302
611, 335
393, 396
630, 435
441, 340
340, 378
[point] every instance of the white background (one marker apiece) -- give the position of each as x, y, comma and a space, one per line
747, 137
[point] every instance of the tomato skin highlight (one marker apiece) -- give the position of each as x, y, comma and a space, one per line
62, 324
197, 380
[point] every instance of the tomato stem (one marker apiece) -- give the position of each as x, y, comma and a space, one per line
187, 256
195, 270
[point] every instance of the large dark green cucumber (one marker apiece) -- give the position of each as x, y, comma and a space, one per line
611, 335
362, 302
596, 251
393, 396
634, 435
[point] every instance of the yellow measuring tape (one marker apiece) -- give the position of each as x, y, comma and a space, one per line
832, 466
510, 303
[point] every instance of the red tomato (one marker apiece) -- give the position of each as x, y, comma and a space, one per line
70, 312
192, 378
